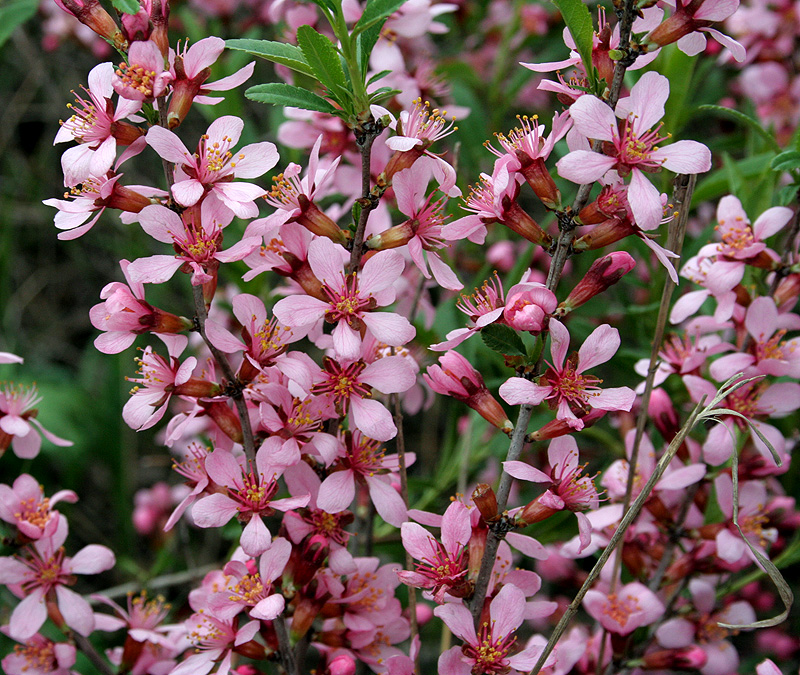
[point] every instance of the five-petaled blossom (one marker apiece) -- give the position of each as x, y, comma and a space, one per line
565, 383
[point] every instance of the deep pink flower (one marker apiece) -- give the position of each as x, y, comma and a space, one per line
141, 619
625, 610
196, 240
213, 168
43, 575
350, 300
249, 495
364, 460
564, 383
423, 229
486, 203
25, 506
632, 146
143, 77
18, 419
569, 488
493, 650
443, 564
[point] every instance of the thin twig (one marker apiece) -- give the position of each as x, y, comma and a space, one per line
368, 201
619, 533
82, 643
287, 656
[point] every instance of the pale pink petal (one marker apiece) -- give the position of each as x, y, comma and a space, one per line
92, 559
230, 82
325, 259
227, 128
222, 338
646, 101
389, 328
214, 510
381, 271
255, 159
453, 662
156, 269
675, 633
614, 398
771, 221
417, 541
168, 145
584, 531
346, 342
388, 502
389, 375
559, 343
372, 418
444, 276
458, 620
593, 118
683, 477
584, 166
692, 44
268, 608
684, 157
202, 54
299, 310
526, 545
337, 492
523, 471
255, 537
507, 610
598, 348
645, 201
687, 305
518, 390
735, 48
28, 616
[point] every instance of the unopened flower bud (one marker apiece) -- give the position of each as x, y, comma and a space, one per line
605, 234
535, 512
316, 221
603, 273
136, 27
517, 219
486, 501
687, 658
399, 235
225, 418
528, 307
342, 665
788, 290
557, 427
663, 414
91, 13
457, 378
541, 181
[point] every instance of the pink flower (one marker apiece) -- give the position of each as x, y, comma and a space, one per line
124, 314
350, 300
486, 203
565, 385
443, 564
39, 655
484, 306
18, 419
569, 487
423, 229
141, 618
528, 305
25, 506
192, 69
249, 495
97, 127
625, 610
143, 77
364, 460
491, 651
197, 244
43, 575
752, 517
633, 146
159, 380
214, 166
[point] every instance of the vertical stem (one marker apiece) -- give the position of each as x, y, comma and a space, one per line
286, 652
368, 201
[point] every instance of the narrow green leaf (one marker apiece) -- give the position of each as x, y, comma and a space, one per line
323, 57
503, 339
378, 76
126, 6
787, 194
365, 43
325, 5
735, 177
375, 11
281, 94
13, 15
287, 55
579, 21
744, 120
786, 161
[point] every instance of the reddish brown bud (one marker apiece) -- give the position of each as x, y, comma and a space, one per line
687, 658
603, 273
605, 234
225, 418
486, 501
517, 219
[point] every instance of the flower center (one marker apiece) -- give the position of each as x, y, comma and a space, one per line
137, 77
250, 590
34, 511
489, 653
619, 609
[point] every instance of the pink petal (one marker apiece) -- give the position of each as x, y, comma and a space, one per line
92, 559
615, 398
507, 610
458, 620
213, 511
268, 608
168, 145
559, 343
518, 390
258, 159
154, 270
372, 418
388, 502
227, 129
684, 157
346, 342
645, 201
771, 221
599, 347
255, 537
389, 375
646, 101
389, 328
28, 616
584, 166
76, 611
337, 492
202, 54
299, 310
523, 471
231, 81
593, 118
381, 271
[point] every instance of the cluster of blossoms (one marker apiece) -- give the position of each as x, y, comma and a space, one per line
294, 448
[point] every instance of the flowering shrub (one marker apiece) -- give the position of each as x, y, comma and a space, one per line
356, 521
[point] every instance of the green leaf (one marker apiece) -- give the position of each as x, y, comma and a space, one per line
786, 161
325, 5
126, 6
281, 94
365, 43
579, 21
375, 11
287, 55
323, 57
13, 15
503, 339
787, 194
744, 120
378, 76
